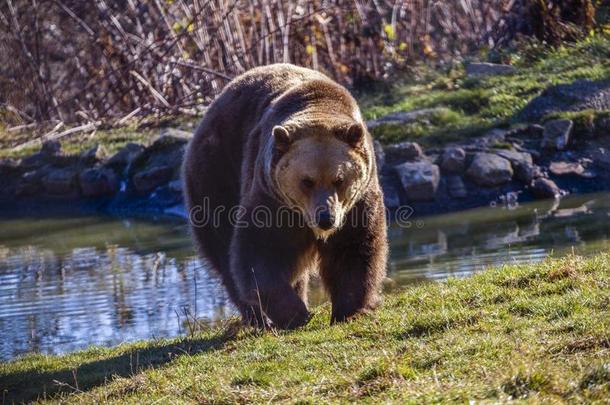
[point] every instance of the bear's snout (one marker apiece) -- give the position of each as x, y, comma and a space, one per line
324, 219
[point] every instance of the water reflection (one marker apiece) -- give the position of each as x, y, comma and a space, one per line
62, 289
462, 243
69, 283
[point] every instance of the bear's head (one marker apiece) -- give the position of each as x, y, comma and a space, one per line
321, 171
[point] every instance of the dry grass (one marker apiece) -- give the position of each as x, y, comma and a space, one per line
79, 62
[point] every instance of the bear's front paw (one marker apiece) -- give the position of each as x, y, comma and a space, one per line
291, 317
253, 317
342, 314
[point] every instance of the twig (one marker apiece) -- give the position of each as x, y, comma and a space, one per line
154, 91
51, 136
18, 128
203, 69
128, 116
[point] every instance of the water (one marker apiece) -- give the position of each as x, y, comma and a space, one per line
68, 283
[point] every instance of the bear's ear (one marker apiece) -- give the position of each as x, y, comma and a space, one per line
354, 135
281, 138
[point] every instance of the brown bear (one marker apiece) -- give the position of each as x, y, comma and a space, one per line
280, 181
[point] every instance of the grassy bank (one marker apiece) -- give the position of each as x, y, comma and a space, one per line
539, 332
470, 106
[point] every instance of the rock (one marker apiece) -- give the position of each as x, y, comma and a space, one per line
26, 190
175, 186
525, 132
419, 180
577, 96
545, 188
557, 134
490, 139
29, 184
456, 187
50, 152
404, 117
527, 173
8, 167
148, 180
516, 158
391, 197
60, 182
170, 137
566, 168
600, 157
379, 154
404, 151
97, 182
50, 148
489, 170
34, 161
522, 164
165, 151
453, 160
95, 154
125, 156
488, 69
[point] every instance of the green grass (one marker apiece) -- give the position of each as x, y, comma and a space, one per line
474, 105
534, 332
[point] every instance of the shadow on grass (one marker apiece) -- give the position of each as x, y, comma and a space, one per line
25, 386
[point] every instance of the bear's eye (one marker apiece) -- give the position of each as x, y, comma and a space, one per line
307, 183
339, 182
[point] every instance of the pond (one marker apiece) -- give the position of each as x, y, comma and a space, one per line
67, 283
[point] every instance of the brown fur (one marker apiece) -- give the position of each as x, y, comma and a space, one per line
292, 141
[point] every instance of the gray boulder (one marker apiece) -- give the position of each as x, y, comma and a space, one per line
419, 180
171, 136
176, 186
453, 160
125, 156
148, 180
557, 134
97, 182
489, 170
522, 164
488, 69
566, 168
8, 167
391, 197
30, 183
60, 181
456, 187
50, 148
600, 157
404, 151
545, 188
490, 139
166, 151
95, 154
